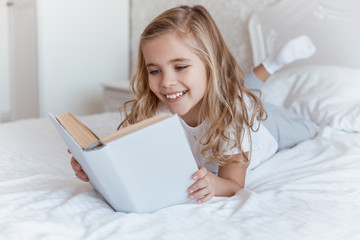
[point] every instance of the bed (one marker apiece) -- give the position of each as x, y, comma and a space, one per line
310, 191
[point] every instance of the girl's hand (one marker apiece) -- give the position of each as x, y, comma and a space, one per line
203, 188
80, 174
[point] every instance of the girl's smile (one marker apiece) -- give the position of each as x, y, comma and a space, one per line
176, 96
177, 76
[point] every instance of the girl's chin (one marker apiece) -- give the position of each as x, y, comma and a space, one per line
180, 112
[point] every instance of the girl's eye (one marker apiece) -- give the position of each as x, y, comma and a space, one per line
153, 72
179, 68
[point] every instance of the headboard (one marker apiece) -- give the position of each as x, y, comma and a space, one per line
332, 25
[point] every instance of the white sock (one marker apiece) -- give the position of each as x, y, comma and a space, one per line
297, 48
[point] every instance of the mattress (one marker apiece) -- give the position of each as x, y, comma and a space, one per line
311, 191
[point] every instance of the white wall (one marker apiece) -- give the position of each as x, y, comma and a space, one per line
81, 44
4, 63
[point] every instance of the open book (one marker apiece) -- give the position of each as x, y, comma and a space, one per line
140, 168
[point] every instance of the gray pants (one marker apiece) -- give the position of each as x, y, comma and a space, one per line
286, 127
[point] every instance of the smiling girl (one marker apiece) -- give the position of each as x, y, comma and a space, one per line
184, 67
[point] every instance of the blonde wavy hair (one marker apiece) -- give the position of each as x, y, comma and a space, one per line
223, 105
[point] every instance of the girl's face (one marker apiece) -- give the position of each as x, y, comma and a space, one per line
177, 76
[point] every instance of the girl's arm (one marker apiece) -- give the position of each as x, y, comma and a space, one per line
230, 179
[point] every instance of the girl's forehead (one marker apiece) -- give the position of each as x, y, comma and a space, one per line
167, 43
186, 39
169, 36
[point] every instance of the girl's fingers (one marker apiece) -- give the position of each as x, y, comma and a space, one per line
202, 187
206, 198
200, 173
72, 163
75, 165
202, 183
79, 173
82, 176
200, 193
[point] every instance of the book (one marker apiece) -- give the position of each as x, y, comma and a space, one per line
140, 168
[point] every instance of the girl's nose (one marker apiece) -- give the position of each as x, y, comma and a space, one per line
168, 80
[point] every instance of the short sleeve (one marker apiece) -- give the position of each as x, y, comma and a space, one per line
245, 144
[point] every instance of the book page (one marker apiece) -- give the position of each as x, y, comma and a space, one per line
81, 134
134, 127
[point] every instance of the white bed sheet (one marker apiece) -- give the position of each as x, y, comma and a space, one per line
311, 191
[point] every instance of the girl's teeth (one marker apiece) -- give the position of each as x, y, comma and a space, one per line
175, 95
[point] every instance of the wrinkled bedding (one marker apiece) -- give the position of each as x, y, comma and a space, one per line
311, 191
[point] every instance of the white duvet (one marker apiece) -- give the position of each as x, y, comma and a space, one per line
311, 191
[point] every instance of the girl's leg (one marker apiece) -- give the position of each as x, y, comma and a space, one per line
297, 48
261, 73
285, 126
256, 78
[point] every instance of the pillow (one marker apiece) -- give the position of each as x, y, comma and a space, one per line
328, 95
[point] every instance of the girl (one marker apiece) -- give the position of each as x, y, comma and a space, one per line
185, 67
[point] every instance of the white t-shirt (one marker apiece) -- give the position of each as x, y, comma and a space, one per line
264, 144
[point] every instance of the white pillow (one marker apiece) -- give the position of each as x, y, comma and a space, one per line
328, 95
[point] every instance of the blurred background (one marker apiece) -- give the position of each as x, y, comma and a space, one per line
56, 55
